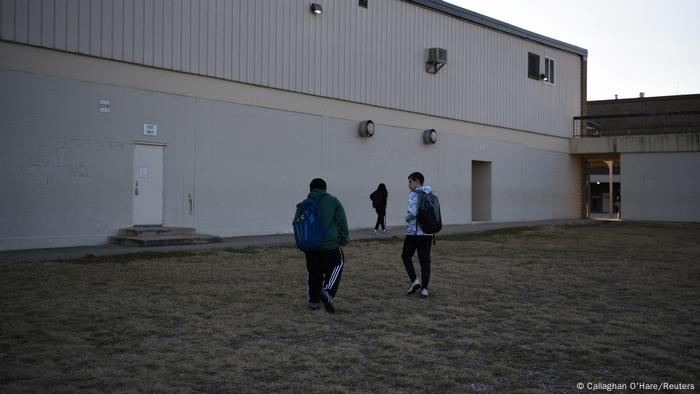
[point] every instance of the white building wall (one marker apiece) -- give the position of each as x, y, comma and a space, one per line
373, 56
245, 154
252, 163
58, 164
660, 186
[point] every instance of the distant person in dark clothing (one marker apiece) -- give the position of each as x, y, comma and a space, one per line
379, 198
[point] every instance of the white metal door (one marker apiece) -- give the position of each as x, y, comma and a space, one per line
148, 184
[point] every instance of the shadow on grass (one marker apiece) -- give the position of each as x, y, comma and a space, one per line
156, 255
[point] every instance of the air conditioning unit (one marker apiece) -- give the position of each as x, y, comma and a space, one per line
437, 55
437, 58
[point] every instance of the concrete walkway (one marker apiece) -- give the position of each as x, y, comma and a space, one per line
13, 256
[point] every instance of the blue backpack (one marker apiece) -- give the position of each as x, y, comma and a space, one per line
308, 225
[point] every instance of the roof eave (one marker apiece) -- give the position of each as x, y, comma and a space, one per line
495, 24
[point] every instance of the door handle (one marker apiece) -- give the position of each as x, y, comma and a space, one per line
136, 189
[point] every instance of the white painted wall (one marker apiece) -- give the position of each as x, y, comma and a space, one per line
660, 186
245, 154
549, 178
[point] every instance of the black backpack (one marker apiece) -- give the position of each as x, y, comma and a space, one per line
429, 218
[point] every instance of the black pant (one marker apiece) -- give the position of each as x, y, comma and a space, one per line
422, 244
381, 217
325, 269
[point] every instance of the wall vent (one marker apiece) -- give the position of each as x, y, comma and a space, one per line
437, 57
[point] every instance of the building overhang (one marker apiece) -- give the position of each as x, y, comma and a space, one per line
646, 143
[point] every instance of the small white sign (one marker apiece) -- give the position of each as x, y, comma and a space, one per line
482, 147
143, 172
103, 106
150, 129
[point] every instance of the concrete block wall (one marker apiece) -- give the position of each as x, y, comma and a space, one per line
661, 186
244, 154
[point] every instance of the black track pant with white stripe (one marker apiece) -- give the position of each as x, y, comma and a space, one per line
421, 243
325, 269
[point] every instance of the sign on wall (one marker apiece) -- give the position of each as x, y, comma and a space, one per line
150, 129
103, 105
143, 172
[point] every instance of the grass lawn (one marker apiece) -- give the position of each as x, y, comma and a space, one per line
520, 310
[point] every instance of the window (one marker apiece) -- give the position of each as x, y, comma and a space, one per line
549, 70
533, 66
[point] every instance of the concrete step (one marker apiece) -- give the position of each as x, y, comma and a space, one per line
163, 240
150, 231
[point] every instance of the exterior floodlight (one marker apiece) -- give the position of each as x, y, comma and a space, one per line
316, 8
367, 128
430, 136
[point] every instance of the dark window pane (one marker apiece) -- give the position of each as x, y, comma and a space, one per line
533, 66
551, 71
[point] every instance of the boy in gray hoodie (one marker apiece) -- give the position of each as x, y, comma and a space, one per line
416, 239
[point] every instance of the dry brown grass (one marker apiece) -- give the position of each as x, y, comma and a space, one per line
525, 310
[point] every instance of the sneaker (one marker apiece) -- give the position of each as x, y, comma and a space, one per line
312, 305
424, 293
327, 300
414, 287
375, 232
383, 231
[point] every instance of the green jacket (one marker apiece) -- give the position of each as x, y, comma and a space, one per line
332, 211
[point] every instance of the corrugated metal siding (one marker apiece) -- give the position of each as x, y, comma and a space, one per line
374, 56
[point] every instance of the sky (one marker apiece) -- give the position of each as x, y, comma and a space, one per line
650, 46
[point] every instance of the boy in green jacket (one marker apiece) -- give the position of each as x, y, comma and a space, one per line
325, 264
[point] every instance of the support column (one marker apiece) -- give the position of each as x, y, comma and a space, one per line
585, 189
610, 163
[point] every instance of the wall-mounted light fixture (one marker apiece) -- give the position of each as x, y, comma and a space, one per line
366, 128
316, 8
437, 58
430, 136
